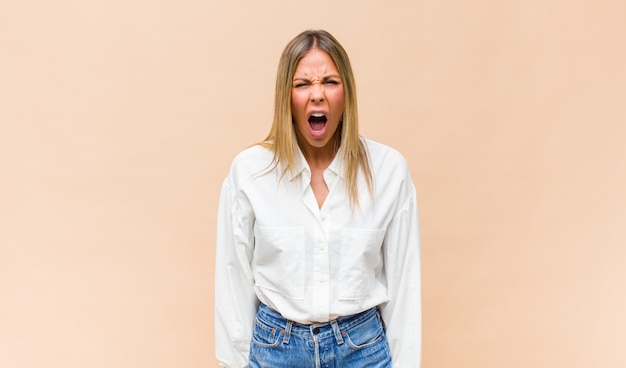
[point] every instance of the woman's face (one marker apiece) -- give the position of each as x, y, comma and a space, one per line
317, 101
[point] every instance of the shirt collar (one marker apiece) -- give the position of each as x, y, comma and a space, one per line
299, 165
337, 165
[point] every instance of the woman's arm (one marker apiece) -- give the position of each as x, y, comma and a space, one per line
235, 300
403, 313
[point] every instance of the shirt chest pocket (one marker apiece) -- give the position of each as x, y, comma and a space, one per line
360, 259
279, 260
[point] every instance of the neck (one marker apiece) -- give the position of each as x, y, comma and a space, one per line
319, 157
318, 160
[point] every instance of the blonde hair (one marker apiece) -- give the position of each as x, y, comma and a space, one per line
281, 138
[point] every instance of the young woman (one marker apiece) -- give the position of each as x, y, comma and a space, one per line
318, 253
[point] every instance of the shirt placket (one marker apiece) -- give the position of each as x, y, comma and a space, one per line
321, 259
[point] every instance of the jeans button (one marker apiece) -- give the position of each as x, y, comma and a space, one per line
316, 330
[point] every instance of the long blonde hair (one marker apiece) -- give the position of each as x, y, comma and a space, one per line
281, 138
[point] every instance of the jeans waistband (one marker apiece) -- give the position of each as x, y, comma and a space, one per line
316, 331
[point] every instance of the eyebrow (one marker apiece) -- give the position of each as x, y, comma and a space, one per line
327, 77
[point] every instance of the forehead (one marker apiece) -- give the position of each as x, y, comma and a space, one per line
315, 62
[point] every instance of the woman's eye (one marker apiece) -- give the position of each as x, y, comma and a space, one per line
331, 81
299, 85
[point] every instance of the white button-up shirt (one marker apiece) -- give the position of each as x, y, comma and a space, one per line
311, 264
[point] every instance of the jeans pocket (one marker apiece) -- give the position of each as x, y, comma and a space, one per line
365, 334
264, 335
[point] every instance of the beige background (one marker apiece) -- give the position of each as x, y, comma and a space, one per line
118, 121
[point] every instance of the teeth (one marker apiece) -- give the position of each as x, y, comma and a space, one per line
318, 115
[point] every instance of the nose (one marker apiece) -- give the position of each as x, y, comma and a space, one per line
317, 92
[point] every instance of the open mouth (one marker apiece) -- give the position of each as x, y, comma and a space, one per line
317, 121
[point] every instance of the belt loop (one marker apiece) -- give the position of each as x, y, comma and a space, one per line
287, 332
335, 327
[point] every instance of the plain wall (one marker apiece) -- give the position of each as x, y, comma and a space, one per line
119, 119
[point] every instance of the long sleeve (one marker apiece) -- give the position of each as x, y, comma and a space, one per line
403, 313
235, 300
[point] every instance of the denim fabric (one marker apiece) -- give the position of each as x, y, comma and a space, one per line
356, 341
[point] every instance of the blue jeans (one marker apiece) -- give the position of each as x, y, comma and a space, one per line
356, 341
